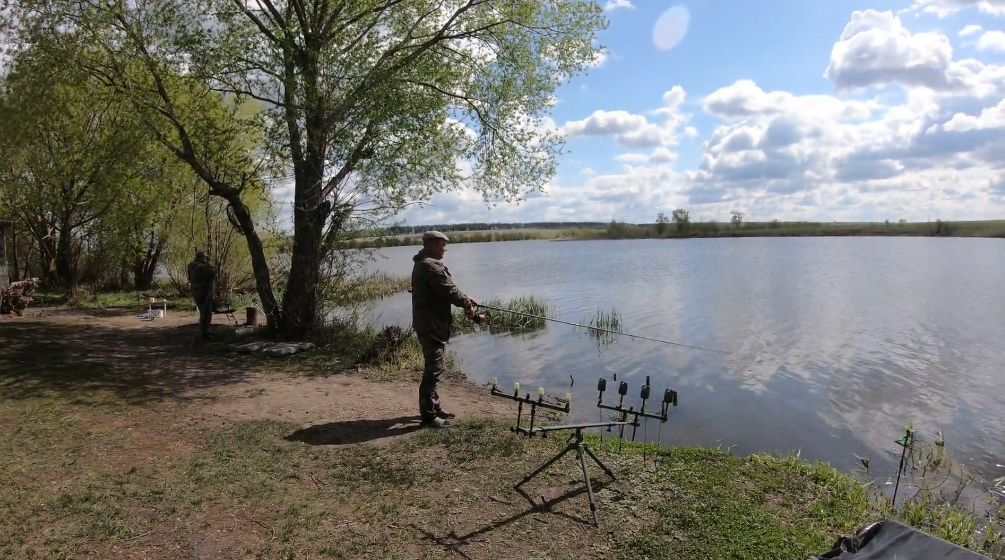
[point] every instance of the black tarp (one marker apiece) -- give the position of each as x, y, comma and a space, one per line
889, 540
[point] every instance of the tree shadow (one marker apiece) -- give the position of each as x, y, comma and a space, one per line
355, 431
85, 361
453, 542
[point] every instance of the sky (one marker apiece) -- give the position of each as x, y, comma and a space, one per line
858, 110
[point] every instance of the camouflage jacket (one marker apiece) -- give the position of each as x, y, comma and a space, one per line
433, 291
201, 275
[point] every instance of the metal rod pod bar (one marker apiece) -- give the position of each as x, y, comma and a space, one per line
584, 426
515, 396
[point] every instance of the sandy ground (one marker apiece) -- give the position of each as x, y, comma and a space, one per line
222, 386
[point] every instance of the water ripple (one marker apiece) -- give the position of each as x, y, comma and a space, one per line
836, 343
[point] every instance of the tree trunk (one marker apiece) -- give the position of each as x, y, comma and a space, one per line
64, 256
123, 273
47, 260
300, 301
259, 264
145, 265
13, 273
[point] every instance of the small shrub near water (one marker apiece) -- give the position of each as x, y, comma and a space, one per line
380, 353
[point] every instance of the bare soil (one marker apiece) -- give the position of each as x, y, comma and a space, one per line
163, 359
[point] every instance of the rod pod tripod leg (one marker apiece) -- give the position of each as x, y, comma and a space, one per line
582, 449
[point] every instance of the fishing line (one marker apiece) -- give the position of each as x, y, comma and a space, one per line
601, 329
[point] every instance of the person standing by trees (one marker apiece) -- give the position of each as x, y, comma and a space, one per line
201, 277
433, 291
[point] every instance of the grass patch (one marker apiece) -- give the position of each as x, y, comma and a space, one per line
518, 315
274, 497
83, 297
109, 478
389, 353
371, 287
606, 320
77, 482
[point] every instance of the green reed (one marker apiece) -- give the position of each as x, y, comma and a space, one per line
528, 315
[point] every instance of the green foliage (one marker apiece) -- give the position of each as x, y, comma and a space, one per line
661, 223
75, 166
370, 104
199, 222
518, 315
682, 220
736, 218
605, 325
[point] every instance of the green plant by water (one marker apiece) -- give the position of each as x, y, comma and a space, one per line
521, 315
605, 325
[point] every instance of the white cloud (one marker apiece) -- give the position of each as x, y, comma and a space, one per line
615, 4
943, 8
970, 30
631, 130
910, 131
632, 158
627, 129
991, 117
660, 156
992, 40
876, 49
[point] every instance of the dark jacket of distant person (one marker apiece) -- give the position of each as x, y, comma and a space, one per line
201, 275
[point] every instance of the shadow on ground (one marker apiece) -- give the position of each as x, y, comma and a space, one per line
356, 431
81, 360
453, 542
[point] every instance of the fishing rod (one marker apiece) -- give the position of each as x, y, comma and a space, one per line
532, 316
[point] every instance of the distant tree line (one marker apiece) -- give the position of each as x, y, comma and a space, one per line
481, 226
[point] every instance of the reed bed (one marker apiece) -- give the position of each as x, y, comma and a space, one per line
521, 315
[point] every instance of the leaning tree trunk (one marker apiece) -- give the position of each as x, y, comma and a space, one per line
259, 264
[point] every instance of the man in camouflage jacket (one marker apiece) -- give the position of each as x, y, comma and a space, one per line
201, 276
433, 292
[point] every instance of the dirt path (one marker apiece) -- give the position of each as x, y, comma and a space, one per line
160, 361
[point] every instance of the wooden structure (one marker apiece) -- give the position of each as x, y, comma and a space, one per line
5, 229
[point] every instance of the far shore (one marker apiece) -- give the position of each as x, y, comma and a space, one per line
700, 230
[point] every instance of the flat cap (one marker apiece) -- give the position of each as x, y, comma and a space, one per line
431, 235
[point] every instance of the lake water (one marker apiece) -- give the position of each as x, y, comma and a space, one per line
836, 344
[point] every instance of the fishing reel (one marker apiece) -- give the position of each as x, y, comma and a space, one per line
476, 317
479, 318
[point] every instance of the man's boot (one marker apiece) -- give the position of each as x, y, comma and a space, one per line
436, 423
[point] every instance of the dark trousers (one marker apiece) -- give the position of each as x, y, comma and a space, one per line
204, 301
433, 354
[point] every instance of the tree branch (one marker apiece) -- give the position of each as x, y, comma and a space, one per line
243, 8
354, 158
